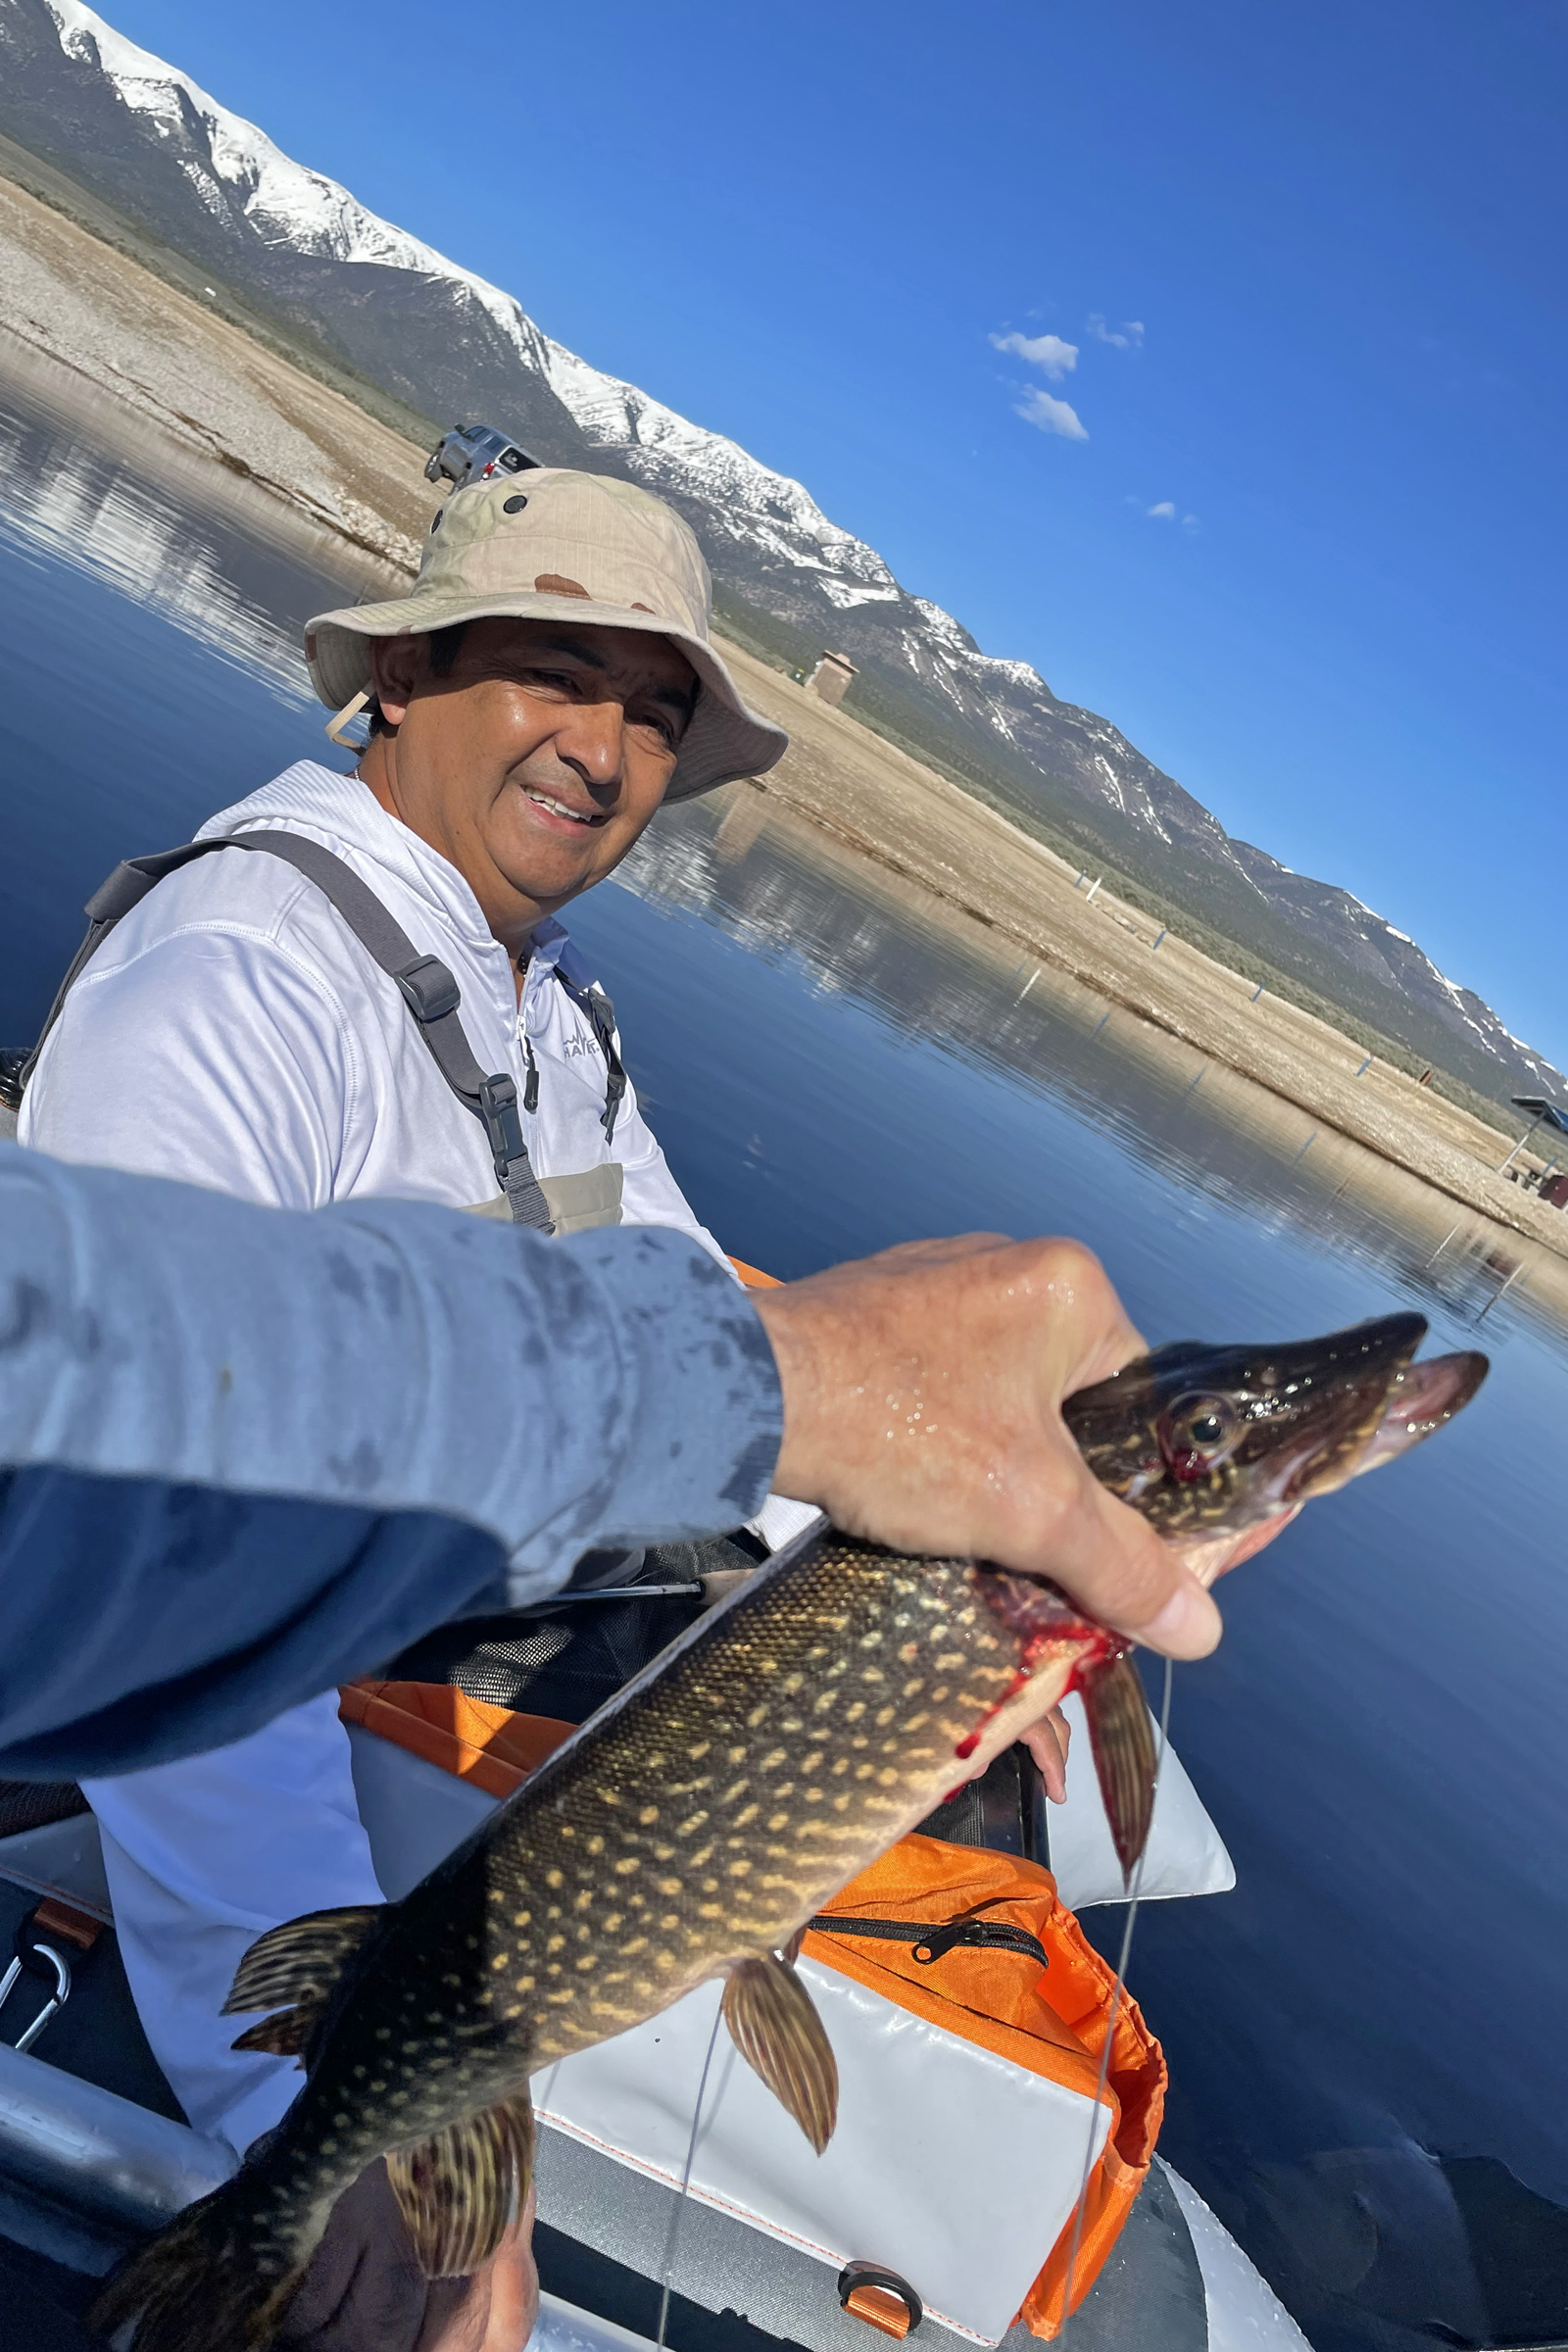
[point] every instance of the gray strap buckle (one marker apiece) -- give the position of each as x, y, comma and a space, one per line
428, 989
498, 1107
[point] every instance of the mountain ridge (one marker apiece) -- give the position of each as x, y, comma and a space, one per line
143, 138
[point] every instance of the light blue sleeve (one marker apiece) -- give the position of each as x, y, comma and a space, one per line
414, 1385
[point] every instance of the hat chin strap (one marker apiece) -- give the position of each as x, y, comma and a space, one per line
341, 718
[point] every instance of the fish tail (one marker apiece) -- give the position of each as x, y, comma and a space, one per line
1125, 1762
217, 2279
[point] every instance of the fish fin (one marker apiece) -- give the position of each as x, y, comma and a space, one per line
459, 2191
198, 2285
1123, 1743
774, 2025
302, 1959
287, 2032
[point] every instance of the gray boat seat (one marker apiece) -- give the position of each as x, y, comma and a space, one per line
61, 1857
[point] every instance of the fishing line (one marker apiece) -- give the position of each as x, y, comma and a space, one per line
673, 2238
1134, 1895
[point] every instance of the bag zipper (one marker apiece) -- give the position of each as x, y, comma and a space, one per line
931, 1943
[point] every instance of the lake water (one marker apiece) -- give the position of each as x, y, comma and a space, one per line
1366, 2038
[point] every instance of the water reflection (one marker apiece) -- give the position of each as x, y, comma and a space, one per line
161, 526
150, 615
778, 887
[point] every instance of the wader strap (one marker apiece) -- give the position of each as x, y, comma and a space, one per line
432, 997
124, 888
427, 988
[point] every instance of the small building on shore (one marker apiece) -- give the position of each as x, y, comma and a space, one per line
832, 677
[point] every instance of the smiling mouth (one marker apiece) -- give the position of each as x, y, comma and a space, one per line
577, 817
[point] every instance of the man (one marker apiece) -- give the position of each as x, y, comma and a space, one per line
546, 686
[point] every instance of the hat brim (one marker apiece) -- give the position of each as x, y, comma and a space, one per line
725, 741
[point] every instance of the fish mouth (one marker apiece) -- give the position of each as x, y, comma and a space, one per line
1422, 1398
1373, 1404
1345, 1380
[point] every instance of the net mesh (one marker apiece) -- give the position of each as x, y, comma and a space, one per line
34, 1804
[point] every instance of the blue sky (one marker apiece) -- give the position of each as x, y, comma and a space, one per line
1325, 246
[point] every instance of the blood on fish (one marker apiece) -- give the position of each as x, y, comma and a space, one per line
1031, 1652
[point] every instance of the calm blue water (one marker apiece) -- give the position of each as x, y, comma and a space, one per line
1367, 2038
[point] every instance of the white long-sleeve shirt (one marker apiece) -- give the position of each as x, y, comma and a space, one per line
232, 1032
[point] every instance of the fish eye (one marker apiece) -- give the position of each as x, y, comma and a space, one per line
1197, 1432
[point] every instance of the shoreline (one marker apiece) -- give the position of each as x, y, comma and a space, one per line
138, 348
1312, 1172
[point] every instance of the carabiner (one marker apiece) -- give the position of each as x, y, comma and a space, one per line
57, 1999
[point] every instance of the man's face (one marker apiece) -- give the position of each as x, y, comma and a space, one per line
536, 762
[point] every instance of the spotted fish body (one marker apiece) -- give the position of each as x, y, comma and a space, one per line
718, 1802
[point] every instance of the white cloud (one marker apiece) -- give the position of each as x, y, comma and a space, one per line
1051, 415
1128, 336
1165, 512
1049, 353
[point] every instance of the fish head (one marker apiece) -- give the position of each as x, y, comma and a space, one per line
1217, 1449
1209, 1441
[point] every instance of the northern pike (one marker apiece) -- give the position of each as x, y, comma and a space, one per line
717, 1803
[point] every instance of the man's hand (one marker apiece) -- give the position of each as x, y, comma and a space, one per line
1047, 1742
365, 2291
922, 1408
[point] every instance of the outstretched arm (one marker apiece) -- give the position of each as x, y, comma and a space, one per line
247, 1453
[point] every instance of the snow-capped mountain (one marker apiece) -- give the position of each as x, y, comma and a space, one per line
303, 257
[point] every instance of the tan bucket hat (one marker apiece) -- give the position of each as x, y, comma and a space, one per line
553, 545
